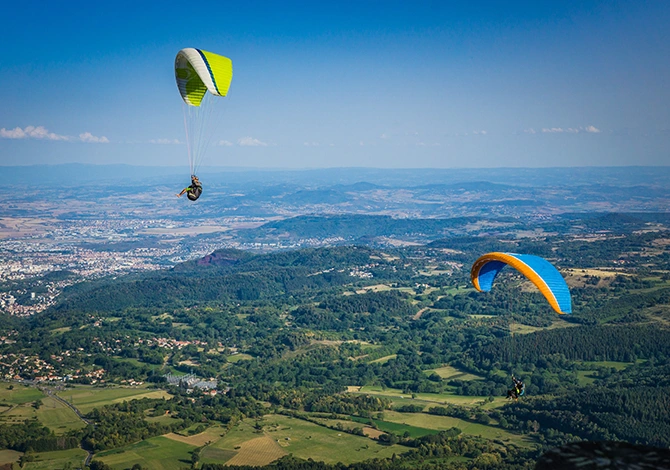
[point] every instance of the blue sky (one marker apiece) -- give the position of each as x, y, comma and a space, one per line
327, 84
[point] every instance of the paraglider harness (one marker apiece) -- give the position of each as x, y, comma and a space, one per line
518, 390
193, 191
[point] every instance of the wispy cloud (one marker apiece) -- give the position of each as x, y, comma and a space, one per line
42, 133
166, 141
311, 144
225, 143
31, 132
558, 130
566, 130
384, 136
93, 139
480, 132
251, 142
530, 130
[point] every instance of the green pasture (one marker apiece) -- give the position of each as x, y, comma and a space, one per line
397, 397
239, 357
9, 456
156, 453
450, 372
16, 414
585, 377
58, 417
303, 439
398, 429
608, 364
86, 397
57, 459
19, 395
442, 423
381, 360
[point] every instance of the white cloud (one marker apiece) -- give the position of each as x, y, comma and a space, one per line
225, 143
384, 136
479, 132
311, 144
165, 141
93, 139
570, 130
31, 132
529, 131
251, 142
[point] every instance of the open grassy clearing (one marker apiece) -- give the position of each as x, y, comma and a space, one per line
609, 364
588, 377
57, 459
239, 357
441, 423
9, 456
86, 397
17, 414
298, 437
398, 398
398, 429
210, 435
166, 419
19, 394
258, 451
585, 377
385, 358
58, 417
308, 440
450, 372
521, 329
156, 453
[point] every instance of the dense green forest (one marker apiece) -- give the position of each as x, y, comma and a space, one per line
354, 334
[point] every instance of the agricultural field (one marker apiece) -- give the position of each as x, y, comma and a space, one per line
281, 435
450, 372
16, 405
156, 453
239, 357
57, 459
19, 394
58, 417
440, 423
86, 397
9, 456
397, 397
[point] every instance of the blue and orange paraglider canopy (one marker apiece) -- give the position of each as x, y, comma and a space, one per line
538, 270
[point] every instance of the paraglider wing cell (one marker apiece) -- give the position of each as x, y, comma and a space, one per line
538, 270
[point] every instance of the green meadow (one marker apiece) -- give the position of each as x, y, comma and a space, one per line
57, 459
156, 453
397, 397
302, 439
87, 397
57, 416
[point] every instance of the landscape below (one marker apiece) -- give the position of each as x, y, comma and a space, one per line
357, 353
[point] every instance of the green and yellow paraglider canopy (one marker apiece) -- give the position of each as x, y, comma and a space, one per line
198, 72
